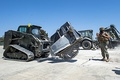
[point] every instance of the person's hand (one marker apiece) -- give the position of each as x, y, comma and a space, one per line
97, 34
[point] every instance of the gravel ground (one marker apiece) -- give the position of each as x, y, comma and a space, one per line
85, 66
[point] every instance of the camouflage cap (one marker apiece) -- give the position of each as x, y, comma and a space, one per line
101, 29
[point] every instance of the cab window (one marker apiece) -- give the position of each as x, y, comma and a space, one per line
35, 31
23, 29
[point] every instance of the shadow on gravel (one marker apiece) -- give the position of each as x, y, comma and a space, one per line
52, 60
96, 59
117, 72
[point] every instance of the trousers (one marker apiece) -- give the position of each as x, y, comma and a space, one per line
104, 52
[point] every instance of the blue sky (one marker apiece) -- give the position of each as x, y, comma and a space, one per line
51, 14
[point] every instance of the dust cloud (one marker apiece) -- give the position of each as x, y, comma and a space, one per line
117, 49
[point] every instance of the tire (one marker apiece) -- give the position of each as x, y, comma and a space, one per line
86, 45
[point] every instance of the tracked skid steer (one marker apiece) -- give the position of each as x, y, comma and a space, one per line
27, 43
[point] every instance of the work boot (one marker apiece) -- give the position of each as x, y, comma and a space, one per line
107, 60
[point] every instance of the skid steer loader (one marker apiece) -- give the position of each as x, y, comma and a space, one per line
30, 42
65, 42
27, 43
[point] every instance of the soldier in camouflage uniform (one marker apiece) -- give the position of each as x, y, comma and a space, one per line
103, 38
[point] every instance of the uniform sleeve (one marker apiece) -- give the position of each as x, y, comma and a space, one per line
106, 34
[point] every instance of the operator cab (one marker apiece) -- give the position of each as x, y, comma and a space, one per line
86, 33
31, 29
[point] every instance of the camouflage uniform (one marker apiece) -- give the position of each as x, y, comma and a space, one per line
103, 44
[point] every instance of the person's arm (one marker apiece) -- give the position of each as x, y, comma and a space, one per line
106, 35
97, 34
